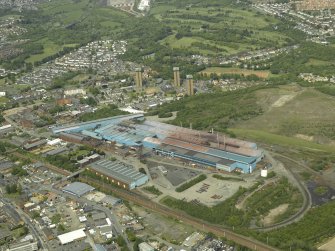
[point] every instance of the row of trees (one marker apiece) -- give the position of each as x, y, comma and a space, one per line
191, 183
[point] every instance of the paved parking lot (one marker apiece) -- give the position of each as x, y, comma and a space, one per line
175, 174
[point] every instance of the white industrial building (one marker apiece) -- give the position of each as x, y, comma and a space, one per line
54, 142
72, 236
75, 92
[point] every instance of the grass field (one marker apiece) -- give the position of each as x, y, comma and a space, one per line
110, 24
50, 48
207, 24
3, 100
317, 62
190, 44
211, 28
91, 18
80, 77
294, 112
238, 71
275, 139
65, 11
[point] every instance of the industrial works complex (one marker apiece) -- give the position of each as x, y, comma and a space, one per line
135, 131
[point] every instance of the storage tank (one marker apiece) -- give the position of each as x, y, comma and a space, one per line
264, 173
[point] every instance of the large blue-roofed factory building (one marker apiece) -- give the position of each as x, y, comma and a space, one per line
209, 149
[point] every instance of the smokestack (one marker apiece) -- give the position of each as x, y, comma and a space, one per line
176, 76
189, 85
138, 79
224, 141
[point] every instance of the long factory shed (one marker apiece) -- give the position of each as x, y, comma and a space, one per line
204, 148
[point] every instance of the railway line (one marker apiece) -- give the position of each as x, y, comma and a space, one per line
197, 223
307, 200
204, 226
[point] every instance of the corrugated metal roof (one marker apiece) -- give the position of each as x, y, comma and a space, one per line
118, 170
78, 188
209, 151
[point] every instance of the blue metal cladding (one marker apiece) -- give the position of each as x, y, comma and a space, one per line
149, 145
231, 156
245, 167
135, 134
187, 157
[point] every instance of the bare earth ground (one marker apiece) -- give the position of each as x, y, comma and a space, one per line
284, 99
273, 213
329, 246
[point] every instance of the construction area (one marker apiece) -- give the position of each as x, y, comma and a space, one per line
202, 148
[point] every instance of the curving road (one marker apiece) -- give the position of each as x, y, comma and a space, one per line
307, 200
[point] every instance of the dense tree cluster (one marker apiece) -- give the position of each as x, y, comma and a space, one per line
13, 188
276, 194
198, 110
297, 61
63, 161
19, 171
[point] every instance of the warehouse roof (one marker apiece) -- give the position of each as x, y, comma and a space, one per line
71, 236
92, 124
145, 247
33, 144
209, 151
198, 155
99, 247
77, 188
56, 151
119, 171
99, 216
